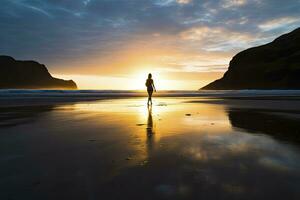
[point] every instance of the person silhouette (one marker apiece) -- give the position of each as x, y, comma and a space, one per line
150, 87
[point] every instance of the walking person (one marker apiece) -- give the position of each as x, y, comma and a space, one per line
150, 87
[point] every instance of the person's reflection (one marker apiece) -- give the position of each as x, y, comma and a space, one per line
150, 130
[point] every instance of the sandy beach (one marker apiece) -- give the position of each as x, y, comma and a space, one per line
180, 148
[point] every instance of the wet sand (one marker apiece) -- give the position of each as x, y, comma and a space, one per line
180, 148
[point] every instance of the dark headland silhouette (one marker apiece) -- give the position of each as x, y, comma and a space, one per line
272, 66
16, 74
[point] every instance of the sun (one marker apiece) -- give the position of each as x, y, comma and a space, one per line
139, 80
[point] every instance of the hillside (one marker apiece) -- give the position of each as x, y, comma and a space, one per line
16, 74
272, 66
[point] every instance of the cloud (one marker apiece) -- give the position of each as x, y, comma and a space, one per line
234, 3
184, 1
218, 38
66, 34
86, 2
185, 67
39, 10
280, 23
172, 2
32, 8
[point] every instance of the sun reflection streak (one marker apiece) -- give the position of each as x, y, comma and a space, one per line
147, 127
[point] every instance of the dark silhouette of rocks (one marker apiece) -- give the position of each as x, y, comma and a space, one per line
272, 66
16, 74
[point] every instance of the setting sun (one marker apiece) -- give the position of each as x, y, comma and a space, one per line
139, 79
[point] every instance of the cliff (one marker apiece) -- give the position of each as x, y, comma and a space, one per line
272, 66
16, 74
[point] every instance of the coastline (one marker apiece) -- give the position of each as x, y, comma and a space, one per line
44, 97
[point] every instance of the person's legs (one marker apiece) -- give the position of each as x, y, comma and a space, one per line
150, 96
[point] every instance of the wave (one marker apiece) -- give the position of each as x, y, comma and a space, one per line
131, 93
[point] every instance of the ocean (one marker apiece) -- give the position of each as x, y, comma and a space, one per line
11, 93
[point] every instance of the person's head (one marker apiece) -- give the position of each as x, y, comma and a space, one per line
149, 75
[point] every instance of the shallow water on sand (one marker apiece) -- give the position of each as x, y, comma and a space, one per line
177, 149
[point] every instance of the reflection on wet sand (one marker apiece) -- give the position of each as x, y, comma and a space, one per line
150, 130
13, 116
277, 124
122, 149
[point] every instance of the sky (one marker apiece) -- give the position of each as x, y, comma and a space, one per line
114, 44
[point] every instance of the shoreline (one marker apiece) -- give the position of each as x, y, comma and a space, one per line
25, 100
